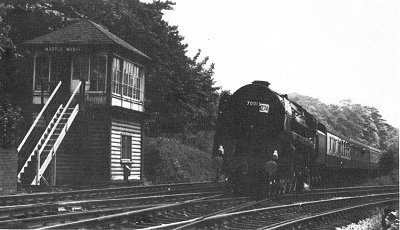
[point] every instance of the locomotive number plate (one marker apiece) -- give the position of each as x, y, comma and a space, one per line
263, 108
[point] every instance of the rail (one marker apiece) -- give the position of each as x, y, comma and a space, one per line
312, 222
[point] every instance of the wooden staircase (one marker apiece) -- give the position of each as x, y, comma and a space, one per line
36, 163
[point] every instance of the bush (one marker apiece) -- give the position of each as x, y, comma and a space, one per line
168, 160
10, 122
386, 163
202, 140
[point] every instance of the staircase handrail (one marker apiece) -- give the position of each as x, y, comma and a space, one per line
56, 124
71, 98
59, 118
38, 116
33, 152
43, 167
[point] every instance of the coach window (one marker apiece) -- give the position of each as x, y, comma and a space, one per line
341, 148
334, 146
42, 71
126, 147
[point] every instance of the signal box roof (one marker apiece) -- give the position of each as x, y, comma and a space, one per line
83, 32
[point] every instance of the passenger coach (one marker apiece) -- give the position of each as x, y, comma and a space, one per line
88, 104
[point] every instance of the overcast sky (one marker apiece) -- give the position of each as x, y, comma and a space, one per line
326, 49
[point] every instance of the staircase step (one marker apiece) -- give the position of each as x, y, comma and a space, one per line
45, 152
51, 141
48, 148
28, 173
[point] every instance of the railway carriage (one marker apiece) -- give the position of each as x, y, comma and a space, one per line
272, 143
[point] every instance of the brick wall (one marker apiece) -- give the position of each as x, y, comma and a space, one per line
8, 171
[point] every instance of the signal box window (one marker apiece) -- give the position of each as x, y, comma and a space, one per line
98, 71
42, 71
126, 147
92, 69
80, 68
117, 76
128, 79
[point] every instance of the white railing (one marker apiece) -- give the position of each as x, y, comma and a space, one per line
37, 178
55, 146
38, 117
43, 135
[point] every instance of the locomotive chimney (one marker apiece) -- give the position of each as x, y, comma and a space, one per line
263, 83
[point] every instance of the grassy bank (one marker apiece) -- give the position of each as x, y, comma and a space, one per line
178, 158
390, 179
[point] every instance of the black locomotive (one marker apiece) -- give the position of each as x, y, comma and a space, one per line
273, 144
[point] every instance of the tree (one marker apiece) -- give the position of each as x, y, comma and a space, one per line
362, 123
10, 112
180, 92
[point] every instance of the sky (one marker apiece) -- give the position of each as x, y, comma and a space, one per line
327, 49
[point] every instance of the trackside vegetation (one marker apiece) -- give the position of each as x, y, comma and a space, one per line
181, 98
174, 161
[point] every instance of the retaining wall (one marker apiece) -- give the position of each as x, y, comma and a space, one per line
8, 171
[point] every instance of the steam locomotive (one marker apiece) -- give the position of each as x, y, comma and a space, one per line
273, 144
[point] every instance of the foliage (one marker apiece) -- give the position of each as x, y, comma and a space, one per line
180, 92
10, 111
390, 159
363, 123
370, 223
168, 160
10, 120
202, 140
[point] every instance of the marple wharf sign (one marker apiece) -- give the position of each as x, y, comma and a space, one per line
62, 49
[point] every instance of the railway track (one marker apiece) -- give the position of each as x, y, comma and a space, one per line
30, 210
32, 198
337, 218
194, 210
40, 215
296, 216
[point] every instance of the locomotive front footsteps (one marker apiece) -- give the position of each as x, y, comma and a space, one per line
273, 145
